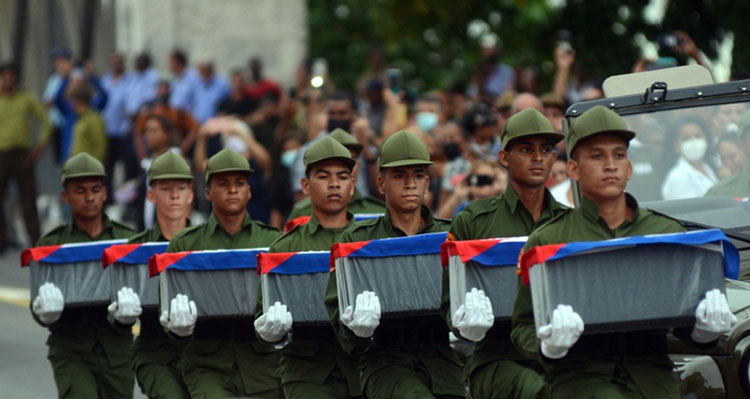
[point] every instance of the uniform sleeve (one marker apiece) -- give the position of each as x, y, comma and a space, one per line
523, 332
45, 126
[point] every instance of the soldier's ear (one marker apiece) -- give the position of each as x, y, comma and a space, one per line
381, 184
630, 170
64, 196
305, 184
207, 192
573, 169
150, 196
502, 157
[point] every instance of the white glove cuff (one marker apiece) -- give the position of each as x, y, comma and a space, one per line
702, 336
552, 352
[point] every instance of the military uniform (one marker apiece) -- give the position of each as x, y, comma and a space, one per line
313, 364
631, 365
90, 357
736, 186
224, 358
494, 368
407, 358
90, 136
155, 354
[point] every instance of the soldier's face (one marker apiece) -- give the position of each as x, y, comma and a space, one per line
171, 197
529, 161
404, 187
228, 192
601, 167
85, 196
330, 187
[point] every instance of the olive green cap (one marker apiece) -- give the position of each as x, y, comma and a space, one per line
82, 165
745, 123
598, 120
169, 166
325, 149
227, 160
403, 149
529, 122
343, 137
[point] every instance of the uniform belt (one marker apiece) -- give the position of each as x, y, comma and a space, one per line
411, 336
620, 345
232, 330
313, 333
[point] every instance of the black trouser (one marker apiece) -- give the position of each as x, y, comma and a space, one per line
12, 166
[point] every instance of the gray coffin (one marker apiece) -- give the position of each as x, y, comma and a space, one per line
217, 293
405, 285
135, 276
499, 283
81, 283
625, 289
303, 294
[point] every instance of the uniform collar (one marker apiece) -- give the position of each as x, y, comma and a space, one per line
314, 225
72, 226
156, 230
426, 215
213, 223
511, 198
591, 209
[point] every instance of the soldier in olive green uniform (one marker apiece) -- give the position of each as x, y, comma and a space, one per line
89, 134
616, 365
90, 357
313, 365
155, 354
224, 357
406, 358
359, 203
737, 185
494, 368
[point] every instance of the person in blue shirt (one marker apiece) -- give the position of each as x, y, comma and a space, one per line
184, 82
77, 78
117, 84
209, 92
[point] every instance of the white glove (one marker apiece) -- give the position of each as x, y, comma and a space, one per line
127, 307
366, 317
712, 317
181, 317
474, 318
48, 304
274, 324
562, 333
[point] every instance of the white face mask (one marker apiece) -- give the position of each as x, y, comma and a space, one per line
694, 149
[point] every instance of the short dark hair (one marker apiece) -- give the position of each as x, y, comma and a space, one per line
9, 66
341, 95
180, 56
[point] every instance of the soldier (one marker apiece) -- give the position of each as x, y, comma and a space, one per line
313, 365
616, 365
359, 203
737, 185
155, 355
407, 358
224, 358
90, 357
494, 369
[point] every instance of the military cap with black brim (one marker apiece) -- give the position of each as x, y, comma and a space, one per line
169, 166
325, 149
226, 161
403, 149
598, 120
82, 165
346, 139
526, 123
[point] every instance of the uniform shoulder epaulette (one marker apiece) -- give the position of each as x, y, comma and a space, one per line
664, 215
188, 230
362, 224
55, 230
481, 207
562, 214
265, 225
121, 225
444, 220
138, 236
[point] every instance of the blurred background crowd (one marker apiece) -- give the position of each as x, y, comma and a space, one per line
451, 75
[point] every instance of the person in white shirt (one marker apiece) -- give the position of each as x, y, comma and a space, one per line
691, 176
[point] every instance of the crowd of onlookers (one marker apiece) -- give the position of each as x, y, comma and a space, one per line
129, 114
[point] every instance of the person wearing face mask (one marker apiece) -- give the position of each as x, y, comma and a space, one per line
691, 176
481, 125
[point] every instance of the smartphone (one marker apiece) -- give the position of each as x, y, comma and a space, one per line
395, 80
318, 72
563, 40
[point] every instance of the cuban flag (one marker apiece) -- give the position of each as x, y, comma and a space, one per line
132, 254
421, 244
68, 253
293, 262
290, 224
544, 253
223, 259
487, 252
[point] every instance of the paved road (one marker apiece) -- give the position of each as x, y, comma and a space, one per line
24, 371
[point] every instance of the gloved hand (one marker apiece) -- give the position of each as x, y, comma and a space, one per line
274, 324
127, 307
712, 317
366, 317
48, 304
181, 317
562, 333
474, 318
